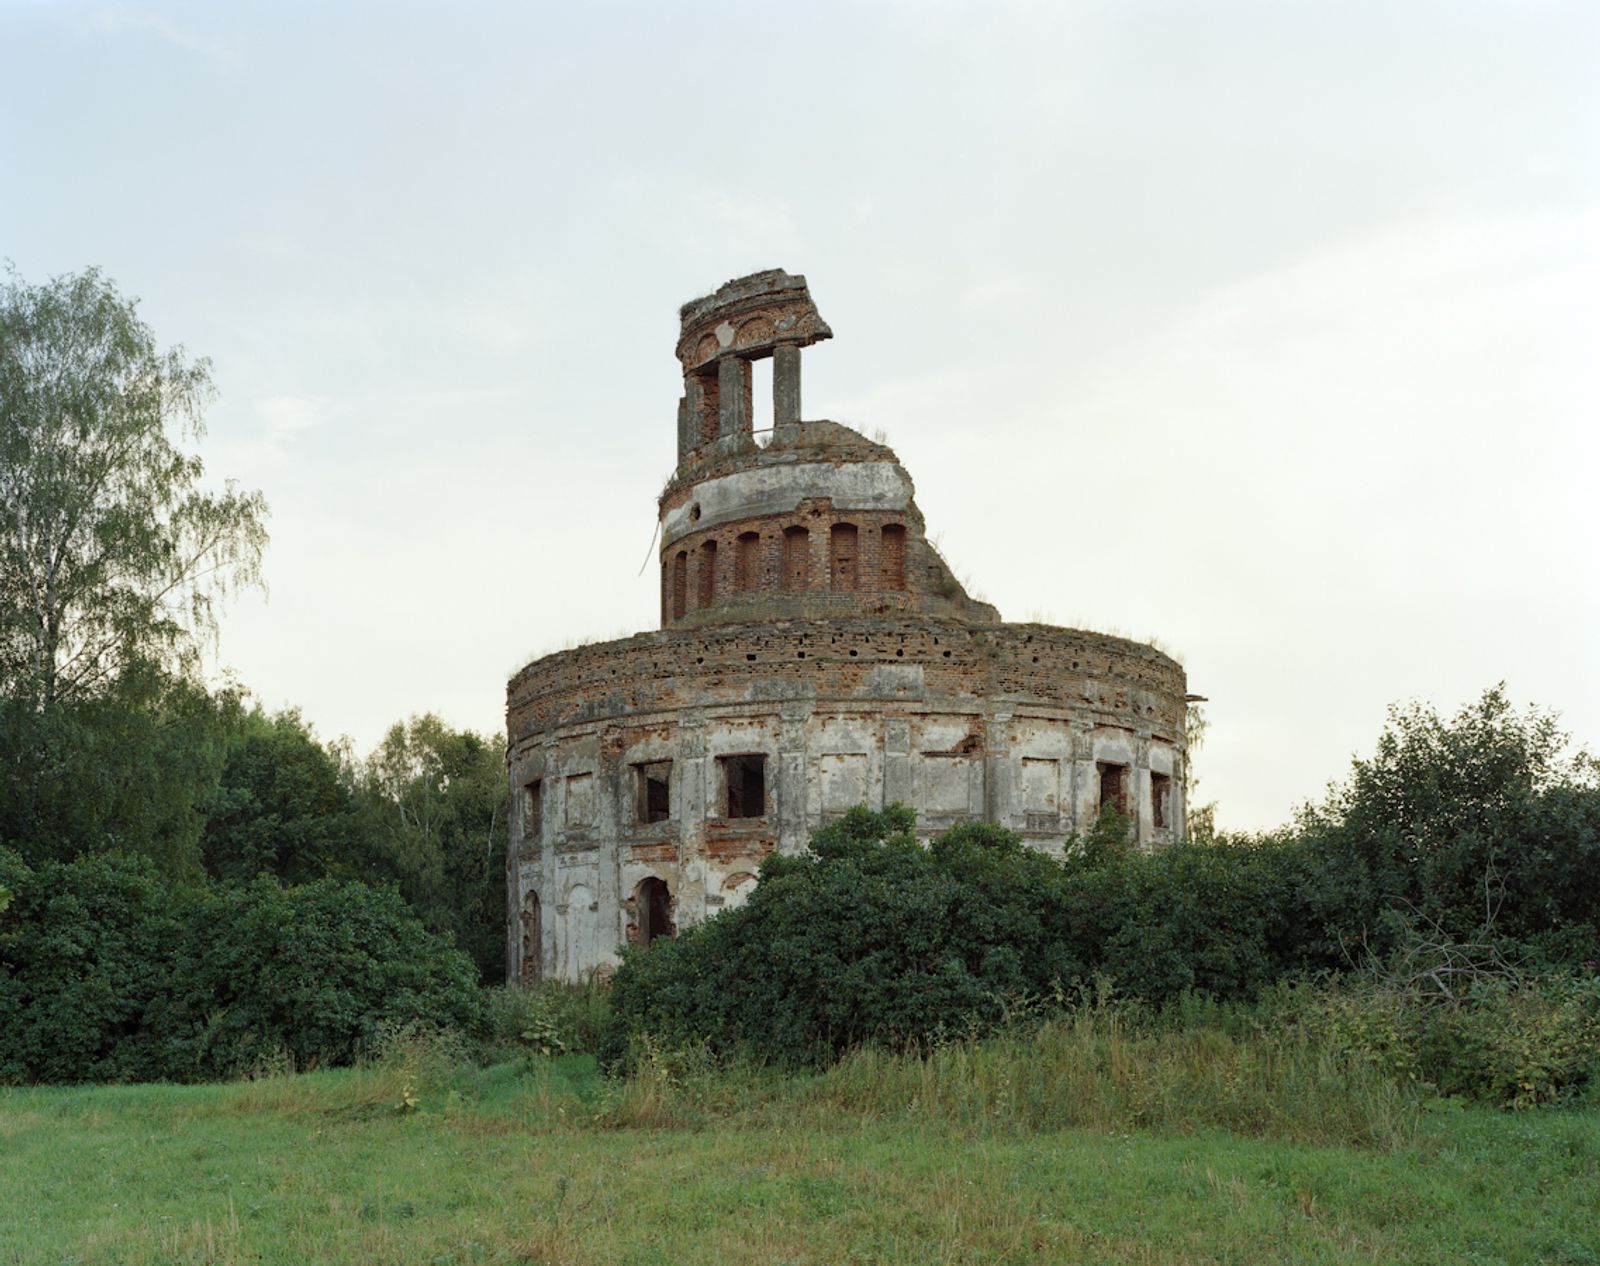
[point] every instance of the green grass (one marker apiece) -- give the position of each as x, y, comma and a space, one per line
959, 1158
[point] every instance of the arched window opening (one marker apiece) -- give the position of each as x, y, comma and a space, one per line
708, 575
680, 585
892, 556
796, 559
747, 562
652, 901
842, 557
532, 941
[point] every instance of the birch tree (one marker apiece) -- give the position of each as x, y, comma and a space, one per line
112, 550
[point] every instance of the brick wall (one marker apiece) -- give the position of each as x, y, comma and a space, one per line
1104, 678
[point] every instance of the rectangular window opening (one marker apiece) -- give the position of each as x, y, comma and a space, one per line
1112, 790
1160, 801
745, 785
654, 791
532, 809
762, 412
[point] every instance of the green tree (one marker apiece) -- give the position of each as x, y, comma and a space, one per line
132, 768
111, 551
1482, 824
283, 807
436, 802
113, 557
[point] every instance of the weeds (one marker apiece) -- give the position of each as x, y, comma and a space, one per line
1100, 1064
1103, 1067
544, 1019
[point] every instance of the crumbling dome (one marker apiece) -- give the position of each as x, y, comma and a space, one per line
815, 653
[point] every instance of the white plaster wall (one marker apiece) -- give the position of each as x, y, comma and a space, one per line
775, 489
584, 871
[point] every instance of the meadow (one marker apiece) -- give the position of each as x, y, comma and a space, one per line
1074, 1141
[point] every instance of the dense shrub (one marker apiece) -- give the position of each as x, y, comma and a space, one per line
318, 971
86, 952
1218, 919
868, 937
106, 973
1515, 1044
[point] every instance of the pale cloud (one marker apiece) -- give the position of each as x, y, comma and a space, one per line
125, 19
1262, 328
1357, 477
504, 326
283, 417
745, 224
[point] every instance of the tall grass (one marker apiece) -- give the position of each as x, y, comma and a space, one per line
1098, 1066
1099, 1069
1266, 1069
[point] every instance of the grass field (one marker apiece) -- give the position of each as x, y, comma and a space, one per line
424, 1159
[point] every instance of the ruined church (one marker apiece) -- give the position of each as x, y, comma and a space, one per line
814, 653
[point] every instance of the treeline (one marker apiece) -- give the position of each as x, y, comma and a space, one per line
197, 885
190, 883
207, 788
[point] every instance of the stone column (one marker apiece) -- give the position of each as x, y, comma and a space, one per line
695, 777
997, 768
550, 894
897, 762
610, 794
1085, 777
785, 388
697, 423
687, 439
1144, 830
733, 395
793, 822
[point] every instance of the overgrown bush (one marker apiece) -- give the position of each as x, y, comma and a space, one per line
320, 970
106, 973
1506, 1040
545, 1019
86, 955
869, 937
872, 938
1219, 919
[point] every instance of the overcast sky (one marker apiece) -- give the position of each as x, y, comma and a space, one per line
1267, 330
